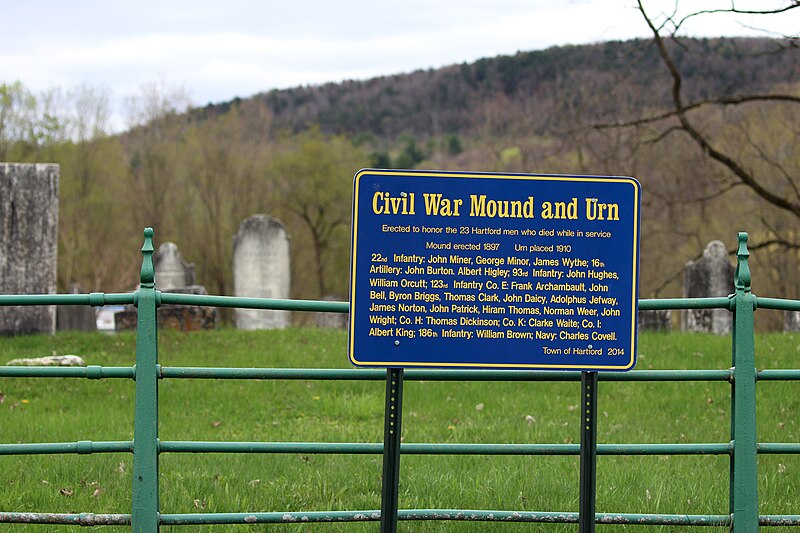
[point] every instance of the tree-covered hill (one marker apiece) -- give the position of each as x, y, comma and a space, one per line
596, 80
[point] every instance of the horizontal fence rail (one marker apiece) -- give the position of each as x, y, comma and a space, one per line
146, 446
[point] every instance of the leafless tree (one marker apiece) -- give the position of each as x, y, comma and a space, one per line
779, 185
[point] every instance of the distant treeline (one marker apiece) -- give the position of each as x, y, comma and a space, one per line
591, 78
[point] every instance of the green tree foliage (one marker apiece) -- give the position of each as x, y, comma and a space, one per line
226, 161
16, 105
97, 244
154, 146
380, 160
410, 155
453, 144
314, 176
29, 124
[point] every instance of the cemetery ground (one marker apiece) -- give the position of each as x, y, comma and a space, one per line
69, 410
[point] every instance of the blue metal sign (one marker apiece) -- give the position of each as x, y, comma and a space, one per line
454, 269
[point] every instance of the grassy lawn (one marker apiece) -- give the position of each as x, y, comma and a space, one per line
68, 410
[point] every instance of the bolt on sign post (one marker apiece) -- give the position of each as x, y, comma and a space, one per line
500, 271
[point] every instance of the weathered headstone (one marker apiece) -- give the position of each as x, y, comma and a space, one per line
173, 275
28, 243
76, 317
708, 277
172, 272
127, 318
332, 320
173, 316
656, 320
261, 270
791, 321
188, 317
105, 317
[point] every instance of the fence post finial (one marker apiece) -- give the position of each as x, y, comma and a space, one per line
742, 267
148, 274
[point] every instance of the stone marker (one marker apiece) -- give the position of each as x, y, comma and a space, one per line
52, 360
105, 316
170, 316
332, 320
76, 317
708, 277
261, 270
126, 319
656, 320
791, 321
172, 272
187, 317
173, 275
28, 243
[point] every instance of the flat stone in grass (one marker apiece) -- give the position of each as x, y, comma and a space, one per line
52, 360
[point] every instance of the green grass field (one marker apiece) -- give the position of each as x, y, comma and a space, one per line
68, 410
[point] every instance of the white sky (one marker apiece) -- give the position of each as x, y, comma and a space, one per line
216, 50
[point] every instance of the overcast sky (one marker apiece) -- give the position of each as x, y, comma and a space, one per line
217, 50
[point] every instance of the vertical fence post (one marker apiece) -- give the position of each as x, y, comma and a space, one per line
744, 477
145, 511
588, 452
392, 424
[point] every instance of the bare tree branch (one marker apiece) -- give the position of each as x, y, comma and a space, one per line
710, 196
668, 280
782, 243
663, 135
697, 136
735, 99
774, 164
733, 9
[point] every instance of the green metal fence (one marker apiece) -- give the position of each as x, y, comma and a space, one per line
145, 514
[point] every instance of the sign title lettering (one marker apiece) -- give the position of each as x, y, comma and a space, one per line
480, 206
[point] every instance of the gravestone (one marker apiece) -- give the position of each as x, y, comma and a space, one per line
261, 270
173, 275
76, 317
708, 277
177, 317
655, 320
791, 321
28, 243
188, 317
127, 318
332, 320
172, 272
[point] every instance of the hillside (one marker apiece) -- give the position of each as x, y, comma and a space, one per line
599, 80
293, 153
